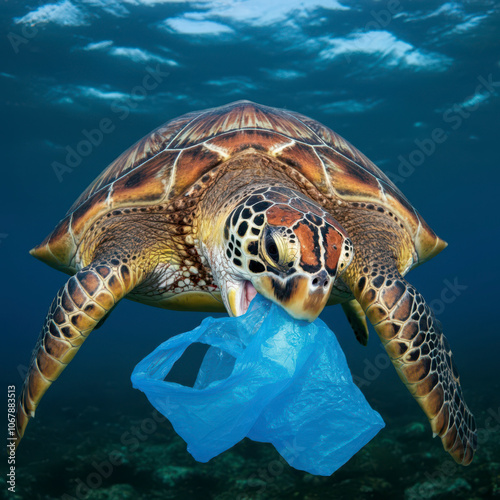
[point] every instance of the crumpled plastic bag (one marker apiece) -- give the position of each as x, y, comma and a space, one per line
268, 377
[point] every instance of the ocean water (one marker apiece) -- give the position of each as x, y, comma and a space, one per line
414, 85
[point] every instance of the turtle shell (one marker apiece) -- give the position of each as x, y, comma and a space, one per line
165, 163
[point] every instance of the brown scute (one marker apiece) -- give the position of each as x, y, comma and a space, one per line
37, 384
410, 330
328, 218
311, 207
347, 177
300, 204
103, 271
54, 330
334, 140
239, 140
387, 330
21, 419
416, 371
425, 386
133, 157
105, 300
333, 248
307, 245
396, 349
49, 367
136, 173
433, 402
457, 451
66, 302
404, 308
428, 243
89, 281
376, 314
59, 349
419, 339
26, 401
57, 247
88, 212
468, 456
353, 176
82, 322
36, 381
125, 275
450, 437
145, 183
391, 295
361, 284
242, 115
94, 311
398, 199
59, 317
412, 356
191, 165
283, 215
440, 422
60, 241
277, 197
369, 296
70, 333
78, 296
115, 286
303, 158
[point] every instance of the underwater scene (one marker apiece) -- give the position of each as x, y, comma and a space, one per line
246, 202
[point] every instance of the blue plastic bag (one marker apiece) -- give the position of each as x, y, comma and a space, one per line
270, 378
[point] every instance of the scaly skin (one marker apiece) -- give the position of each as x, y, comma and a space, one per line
267, 233
357, 319
157, 255
408, 329
145, 253
80, 304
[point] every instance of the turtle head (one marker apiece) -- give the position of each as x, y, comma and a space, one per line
282, 245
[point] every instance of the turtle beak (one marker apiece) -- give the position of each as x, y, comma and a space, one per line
237, 296
302, 296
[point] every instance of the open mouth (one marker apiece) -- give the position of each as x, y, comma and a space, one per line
249, 292
240, 298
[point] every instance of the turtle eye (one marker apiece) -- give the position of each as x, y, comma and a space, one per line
278, 249
272, 249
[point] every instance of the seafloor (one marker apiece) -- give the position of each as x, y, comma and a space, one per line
71, 457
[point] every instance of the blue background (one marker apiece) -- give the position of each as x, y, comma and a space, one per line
383, 75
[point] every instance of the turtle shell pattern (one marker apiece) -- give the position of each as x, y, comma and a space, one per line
165, 163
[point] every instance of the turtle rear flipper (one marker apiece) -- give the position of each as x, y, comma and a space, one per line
413, 338
80, 305
357, 319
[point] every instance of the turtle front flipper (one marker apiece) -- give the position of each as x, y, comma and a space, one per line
413, 338
80, 304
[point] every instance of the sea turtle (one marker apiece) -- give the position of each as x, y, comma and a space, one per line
217, 205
